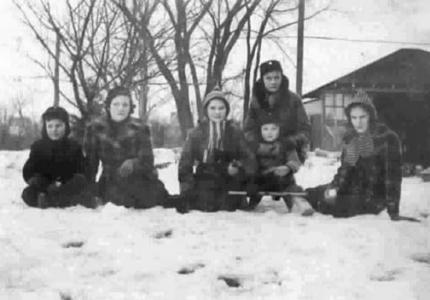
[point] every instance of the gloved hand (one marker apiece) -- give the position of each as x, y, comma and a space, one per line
126, 168
53, 187
282, 171
252, 189
330, 195
232, 169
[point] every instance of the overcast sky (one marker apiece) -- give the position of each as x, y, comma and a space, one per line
324, 60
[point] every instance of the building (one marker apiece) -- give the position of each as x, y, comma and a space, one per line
399, 85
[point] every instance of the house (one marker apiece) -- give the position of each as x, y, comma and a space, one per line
399, 85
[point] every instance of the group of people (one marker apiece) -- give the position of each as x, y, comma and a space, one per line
221, 166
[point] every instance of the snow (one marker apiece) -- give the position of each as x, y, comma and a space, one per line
118, 253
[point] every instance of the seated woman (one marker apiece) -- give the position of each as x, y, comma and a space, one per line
122, 144
369, 178
277, 162
55, 169
215, 159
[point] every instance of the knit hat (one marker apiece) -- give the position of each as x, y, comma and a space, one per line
57, 113
118, 91
362, 99
216, 93
269, 66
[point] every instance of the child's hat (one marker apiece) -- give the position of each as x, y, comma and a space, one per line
216, 93
56, 112
269, 66
269, 119
361, 98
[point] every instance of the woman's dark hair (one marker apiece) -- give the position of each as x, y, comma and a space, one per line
118, 91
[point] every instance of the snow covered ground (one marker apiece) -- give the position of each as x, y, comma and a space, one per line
117, 253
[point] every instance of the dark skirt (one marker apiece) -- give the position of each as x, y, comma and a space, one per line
73, 192
345, 205
133, 191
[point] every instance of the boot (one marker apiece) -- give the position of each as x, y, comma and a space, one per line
253, 202
179, 202
301, 206
289, 202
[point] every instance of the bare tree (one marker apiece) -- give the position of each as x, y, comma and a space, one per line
228, 20
191, 41
186, 58
182, 18
99, 47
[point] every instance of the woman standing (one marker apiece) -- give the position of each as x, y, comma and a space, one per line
273, 99
369, 178
215, 159
122, 144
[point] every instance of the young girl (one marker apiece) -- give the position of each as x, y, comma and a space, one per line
122, 144
55, 169
277, 162
369, 178
215, 159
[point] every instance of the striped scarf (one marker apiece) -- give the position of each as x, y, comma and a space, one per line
360, 146
215, 140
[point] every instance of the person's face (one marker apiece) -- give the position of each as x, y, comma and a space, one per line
360, 119
55, 129
272, 81
120, 108
270, 132
217, 111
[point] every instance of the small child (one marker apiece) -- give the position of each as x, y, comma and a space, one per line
55, 169
278, 161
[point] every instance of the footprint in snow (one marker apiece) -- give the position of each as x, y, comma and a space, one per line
421, 258
65, 296
190, 269
425, 215
389, 275
163, 234
73, 244
231, 281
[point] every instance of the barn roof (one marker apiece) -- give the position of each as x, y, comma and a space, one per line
406, 70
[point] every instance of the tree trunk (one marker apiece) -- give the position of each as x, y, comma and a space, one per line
143, 88
185, 117
57, 72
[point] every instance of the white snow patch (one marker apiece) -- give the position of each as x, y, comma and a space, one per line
118, 253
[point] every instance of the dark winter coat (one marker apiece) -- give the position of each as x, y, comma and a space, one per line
275, 154
197, 176
51, 162
54, 160
375, 179
272, 155
113, 143
288, 110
